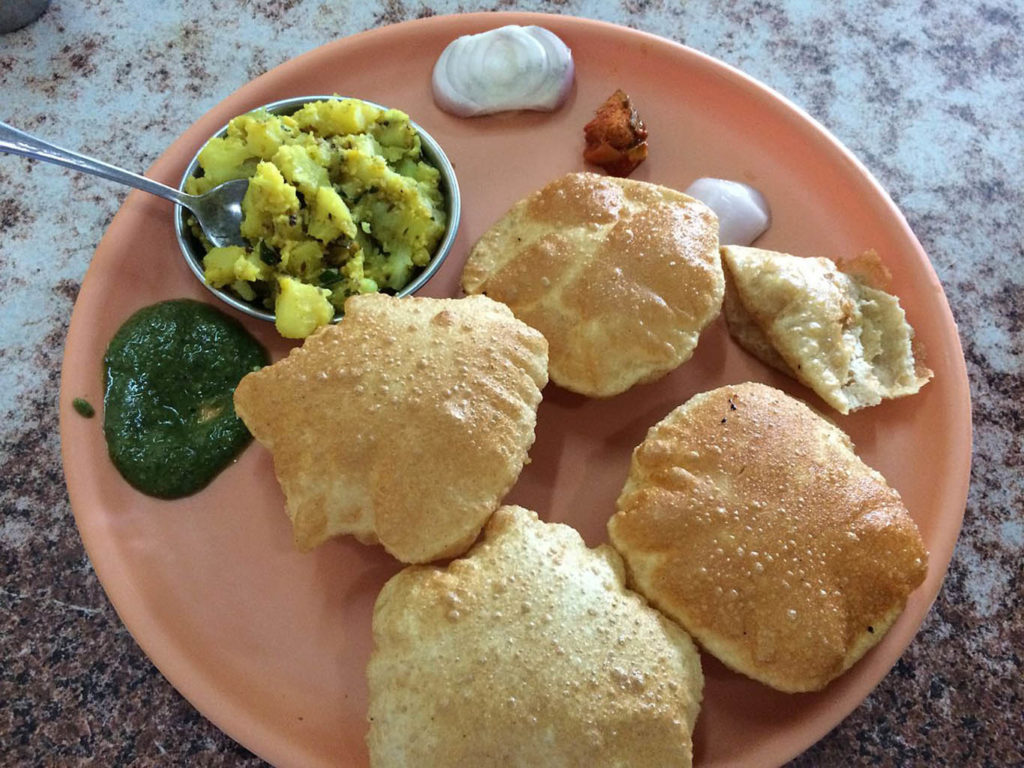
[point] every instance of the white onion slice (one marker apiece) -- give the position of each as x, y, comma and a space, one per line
507, 68
743, 213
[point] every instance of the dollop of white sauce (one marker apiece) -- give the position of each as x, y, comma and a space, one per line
511, 67
743, 213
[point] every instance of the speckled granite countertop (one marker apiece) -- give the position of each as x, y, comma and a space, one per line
930, 95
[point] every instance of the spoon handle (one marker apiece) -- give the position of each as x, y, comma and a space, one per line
20, 143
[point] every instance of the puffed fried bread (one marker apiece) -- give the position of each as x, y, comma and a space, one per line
405, 424
749, 519
529, 651
620, 276
844, 338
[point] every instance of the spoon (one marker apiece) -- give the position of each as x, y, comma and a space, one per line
218, 211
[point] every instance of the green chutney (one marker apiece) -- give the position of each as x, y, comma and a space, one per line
168, 415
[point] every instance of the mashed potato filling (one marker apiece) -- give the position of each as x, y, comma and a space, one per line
340, 202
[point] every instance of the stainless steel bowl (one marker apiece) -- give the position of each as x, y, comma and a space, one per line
193, 250
15, 15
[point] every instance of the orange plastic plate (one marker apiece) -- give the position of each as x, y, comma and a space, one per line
272, 645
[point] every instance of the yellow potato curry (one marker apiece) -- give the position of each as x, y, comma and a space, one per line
340, 202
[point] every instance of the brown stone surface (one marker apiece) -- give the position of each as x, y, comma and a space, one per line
930, 96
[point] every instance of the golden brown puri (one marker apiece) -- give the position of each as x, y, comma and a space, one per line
619, 275
529, 651
838, 334
749, 519
406, 423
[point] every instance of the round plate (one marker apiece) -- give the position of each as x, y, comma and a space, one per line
272, 645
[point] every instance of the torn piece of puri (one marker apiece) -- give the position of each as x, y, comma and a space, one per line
620, 276
529, 651
405, 424
749, 519
839, 334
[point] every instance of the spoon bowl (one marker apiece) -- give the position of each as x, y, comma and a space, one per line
219, 212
